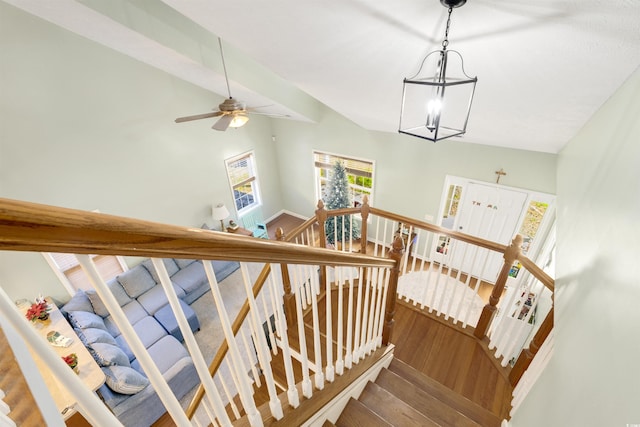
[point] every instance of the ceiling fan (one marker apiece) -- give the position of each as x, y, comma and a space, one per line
232, 113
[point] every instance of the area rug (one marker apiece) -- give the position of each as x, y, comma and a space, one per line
444, 294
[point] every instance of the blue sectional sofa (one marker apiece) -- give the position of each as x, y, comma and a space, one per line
127, 391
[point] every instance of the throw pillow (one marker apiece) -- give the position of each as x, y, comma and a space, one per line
78, 302
93, 335
116, 289
136, 281
108, 355
124, 380
169, 264
84, 320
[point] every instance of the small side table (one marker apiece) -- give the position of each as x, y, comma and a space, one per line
240, 230
89, 371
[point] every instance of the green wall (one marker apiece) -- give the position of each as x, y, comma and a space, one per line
593, 377
85, 127
410, 172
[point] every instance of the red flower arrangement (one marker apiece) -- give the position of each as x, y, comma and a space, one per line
71, 360
38, 311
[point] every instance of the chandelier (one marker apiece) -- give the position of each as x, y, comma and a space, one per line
436, 101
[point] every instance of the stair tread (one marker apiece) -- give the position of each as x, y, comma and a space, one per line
357, 414
393, 409
461, 404
328, 423
422, 401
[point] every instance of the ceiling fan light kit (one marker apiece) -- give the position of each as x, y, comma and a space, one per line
436, 101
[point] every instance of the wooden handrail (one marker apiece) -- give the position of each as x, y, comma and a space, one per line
477, 241
537, 272
299, 229
34, 227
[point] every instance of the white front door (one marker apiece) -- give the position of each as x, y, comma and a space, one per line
492, 213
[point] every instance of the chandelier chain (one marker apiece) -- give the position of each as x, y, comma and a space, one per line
445, 42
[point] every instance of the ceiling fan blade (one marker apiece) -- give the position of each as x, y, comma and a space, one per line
198, 117
223, 122
268, 114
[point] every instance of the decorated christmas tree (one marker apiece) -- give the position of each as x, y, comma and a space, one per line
337, 197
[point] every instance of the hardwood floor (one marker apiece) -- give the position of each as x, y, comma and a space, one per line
24, 411
453, 358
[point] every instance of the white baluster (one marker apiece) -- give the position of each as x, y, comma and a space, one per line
232, 403
306, 381
261, 347
340, 353
270, 326
356, 333
311, 272
365, 316
369, 343
243, 385
292, 391
329, 371
251, 356
349, 350
377, 238
196, 355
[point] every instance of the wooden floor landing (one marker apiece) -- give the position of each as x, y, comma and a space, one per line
453, 358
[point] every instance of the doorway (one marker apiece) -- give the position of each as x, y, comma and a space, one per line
492, 212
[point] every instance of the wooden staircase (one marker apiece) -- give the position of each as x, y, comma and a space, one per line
402, 396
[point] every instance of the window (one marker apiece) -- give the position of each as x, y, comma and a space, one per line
72, 275
359, 174
243, 178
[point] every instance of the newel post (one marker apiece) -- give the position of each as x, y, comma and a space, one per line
527, 355
321, 217
289, 298
489, 310
364, 213
395, 254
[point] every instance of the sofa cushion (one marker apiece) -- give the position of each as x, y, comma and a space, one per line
155, 298
90, 336
116, 289
149, 331
169, 264
165, 353
124, 380
108, 354
136, 281
191, 277
134, 313
78, 302
169, 322
85, 319
182, 263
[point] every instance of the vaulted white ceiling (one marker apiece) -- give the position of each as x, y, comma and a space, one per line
543, 67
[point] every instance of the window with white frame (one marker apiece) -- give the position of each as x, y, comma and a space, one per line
73, 277
359, 174
243, 178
